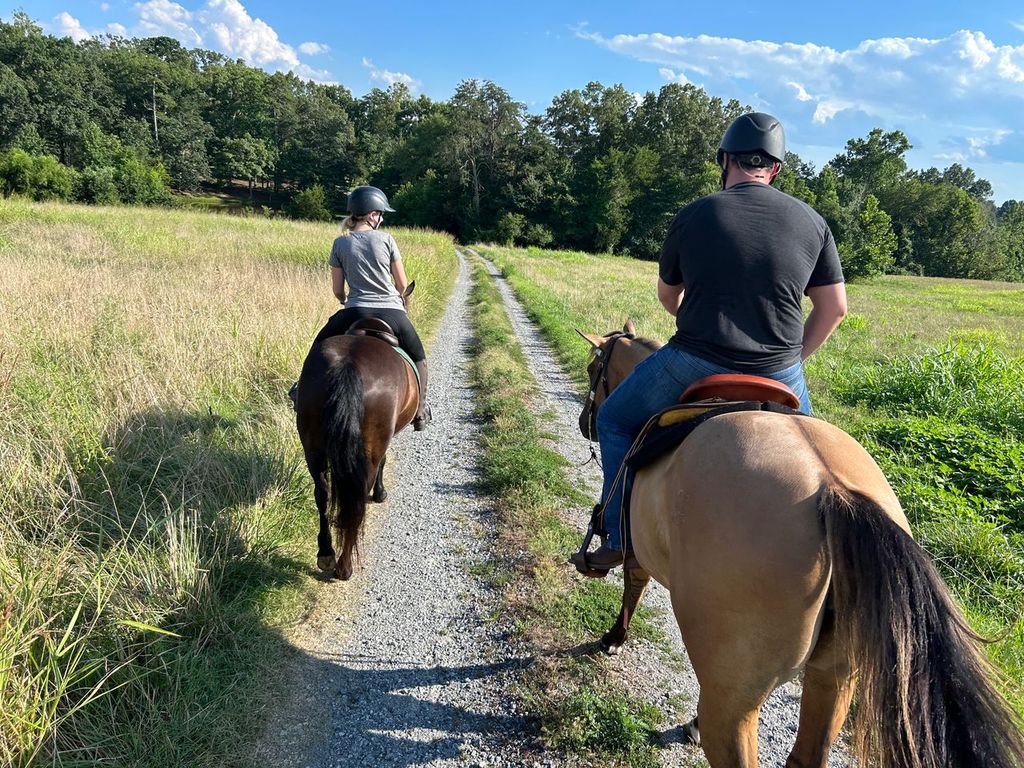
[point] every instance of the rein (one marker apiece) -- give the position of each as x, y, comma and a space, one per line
598, 379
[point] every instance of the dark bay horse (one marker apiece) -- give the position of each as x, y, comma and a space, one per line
785, 550
355, 393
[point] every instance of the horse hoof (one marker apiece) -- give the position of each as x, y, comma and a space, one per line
691, 733
612, 643
380, 497
343, 573
325, 562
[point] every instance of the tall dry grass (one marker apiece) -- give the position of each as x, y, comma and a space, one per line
155, 514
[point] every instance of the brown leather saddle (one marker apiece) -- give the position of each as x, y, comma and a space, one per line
740, 386
373, 326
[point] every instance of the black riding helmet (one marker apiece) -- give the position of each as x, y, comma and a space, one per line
365, 200
752, 135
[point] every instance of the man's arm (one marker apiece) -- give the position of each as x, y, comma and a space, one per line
338, 283
670, 296
828, 308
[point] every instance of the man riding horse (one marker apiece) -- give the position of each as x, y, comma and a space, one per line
733, 270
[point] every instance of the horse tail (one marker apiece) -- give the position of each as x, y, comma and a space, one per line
926, 694
346, 454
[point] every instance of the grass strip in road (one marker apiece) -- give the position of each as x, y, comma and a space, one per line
582, 711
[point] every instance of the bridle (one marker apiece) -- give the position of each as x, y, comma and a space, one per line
599, 379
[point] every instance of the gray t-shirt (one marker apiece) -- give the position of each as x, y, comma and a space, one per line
746, 257
366, 259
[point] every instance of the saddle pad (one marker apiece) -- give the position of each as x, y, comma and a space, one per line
668, 428
412, 365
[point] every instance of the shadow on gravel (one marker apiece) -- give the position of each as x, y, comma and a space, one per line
398, 716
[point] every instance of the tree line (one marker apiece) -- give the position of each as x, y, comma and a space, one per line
111, 119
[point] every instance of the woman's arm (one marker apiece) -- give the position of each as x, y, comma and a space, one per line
338, 283
401, 281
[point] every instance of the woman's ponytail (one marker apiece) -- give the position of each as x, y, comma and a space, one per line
349, 223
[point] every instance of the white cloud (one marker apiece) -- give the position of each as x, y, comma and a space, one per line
104, 6
313, 49
829, 108
975, 147
801, 92
1018, 25
168, 19
386, 77
68, 26
673, 77
891, 78
238, 34
222, 25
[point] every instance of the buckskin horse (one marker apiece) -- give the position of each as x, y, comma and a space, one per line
355, 393
785, 550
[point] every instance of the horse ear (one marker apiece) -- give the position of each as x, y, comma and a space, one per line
595, 341
629, 327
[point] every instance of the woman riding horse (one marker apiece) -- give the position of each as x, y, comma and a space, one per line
356, 392
370, 262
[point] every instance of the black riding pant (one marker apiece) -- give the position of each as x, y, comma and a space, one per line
344, 319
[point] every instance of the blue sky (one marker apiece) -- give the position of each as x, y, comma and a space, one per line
948, 74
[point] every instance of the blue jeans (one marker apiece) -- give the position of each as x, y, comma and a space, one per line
655, 384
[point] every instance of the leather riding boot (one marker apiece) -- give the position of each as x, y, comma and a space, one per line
423, 416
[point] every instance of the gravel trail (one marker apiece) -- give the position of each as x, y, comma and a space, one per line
662, 676
402, 666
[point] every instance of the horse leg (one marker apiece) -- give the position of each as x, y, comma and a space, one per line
634, 583
728, 727
343, 568
324, 549
827, 690
379, 493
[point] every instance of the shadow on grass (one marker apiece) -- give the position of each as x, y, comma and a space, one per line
161, 460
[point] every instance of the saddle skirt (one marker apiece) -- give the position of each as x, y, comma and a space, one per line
378, 329
704, 399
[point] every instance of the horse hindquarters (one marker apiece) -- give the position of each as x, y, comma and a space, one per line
346, 459
895, 613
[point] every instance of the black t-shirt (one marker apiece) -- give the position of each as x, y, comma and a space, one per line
746, 256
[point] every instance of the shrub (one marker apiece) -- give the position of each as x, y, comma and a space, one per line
510, 227
140, 183
310, 204
40, 177
538, 235
96, 185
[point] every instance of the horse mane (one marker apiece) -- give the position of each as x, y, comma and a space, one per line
652, 344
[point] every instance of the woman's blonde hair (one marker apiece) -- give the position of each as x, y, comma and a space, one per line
349, 223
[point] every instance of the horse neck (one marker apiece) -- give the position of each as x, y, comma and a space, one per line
629, 353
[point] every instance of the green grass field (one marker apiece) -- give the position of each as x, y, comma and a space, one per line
156, 520
927, 373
